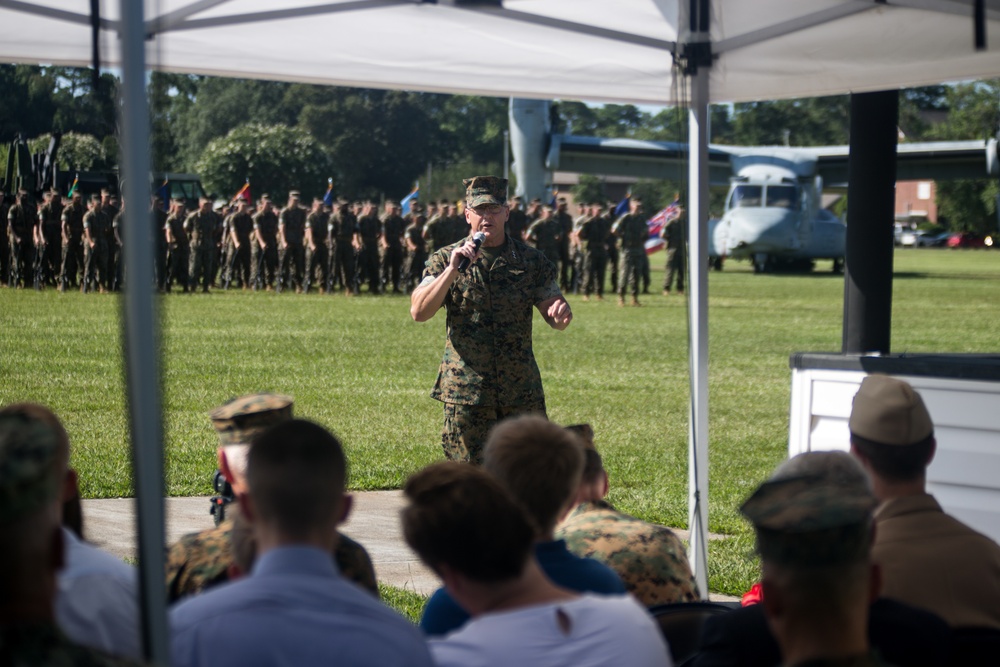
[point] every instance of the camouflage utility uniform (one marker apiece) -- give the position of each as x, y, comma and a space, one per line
199, 561
650, 559
488, 371
201, 226
673, 234
633, 232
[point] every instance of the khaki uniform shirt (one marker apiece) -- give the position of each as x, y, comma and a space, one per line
935, 562
650, 559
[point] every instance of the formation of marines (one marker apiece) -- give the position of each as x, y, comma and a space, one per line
344, 246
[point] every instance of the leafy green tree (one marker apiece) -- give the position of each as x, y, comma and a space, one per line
221, 105
378, 141
77, 152
276, 159
171, 99
590, 188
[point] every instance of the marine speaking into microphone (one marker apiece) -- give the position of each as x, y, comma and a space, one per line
488, 371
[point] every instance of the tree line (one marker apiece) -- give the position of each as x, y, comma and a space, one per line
376, 143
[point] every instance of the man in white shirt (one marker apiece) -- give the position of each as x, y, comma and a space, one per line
468, 529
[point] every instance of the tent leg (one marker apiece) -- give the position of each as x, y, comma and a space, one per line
871, 183
698, 328
139, 327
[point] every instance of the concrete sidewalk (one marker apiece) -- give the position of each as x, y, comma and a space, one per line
374, 522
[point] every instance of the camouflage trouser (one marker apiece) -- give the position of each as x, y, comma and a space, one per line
466, 427
392, 266
72, 262
318, 267
675, 267
613, 266
595, 264
631, 271
201, 259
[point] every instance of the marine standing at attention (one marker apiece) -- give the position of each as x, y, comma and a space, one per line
488, 371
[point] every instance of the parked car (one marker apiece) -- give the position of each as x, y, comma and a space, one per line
925, 240
966, 240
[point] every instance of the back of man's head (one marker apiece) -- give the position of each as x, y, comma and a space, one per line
460, 517
296, 473
891, 429
539, 463
593, 466
814, 527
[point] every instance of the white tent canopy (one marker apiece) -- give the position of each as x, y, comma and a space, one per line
604, 50
613, 50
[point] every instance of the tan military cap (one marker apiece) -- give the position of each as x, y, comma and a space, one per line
485, 190
28, 451
890, 412
240, 419
294, 194
819, 516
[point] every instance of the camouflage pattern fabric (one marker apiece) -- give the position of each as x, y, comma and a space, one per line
480, 190
489, 321
466, 427
633, 231
200, 561
650, 559
544, 235
45, 644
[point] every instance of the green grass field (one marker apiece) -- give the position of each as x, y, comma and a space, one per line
363, 368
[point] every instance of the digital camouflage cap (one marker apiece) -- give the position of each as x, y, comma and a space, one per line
240, 419
485, 190
28, 480
819, 517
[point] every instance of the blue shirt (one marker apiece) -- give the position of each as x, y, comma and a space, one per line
585, 575
293, 609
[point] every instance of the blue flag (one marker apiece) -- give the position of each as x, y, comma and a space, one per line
164, 194
328, 197
623, 205
410, 198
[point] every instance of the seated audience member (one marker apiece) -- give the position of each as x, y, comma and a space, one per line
903, 635
928, 559
31, 481
97, 594
294, 607
468, 529
199, 561
650, 559
814, 533
540, 464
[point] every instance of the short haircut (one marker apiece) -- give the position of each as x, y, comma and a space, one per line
461, 517
897, 463
296, 473
539, 462
593, 466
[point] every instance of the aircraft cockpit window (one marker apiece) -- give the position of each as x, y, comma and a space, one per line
746, 195
781, 196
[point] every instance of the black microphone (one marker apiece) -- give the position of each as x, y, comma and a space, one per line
477, 240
